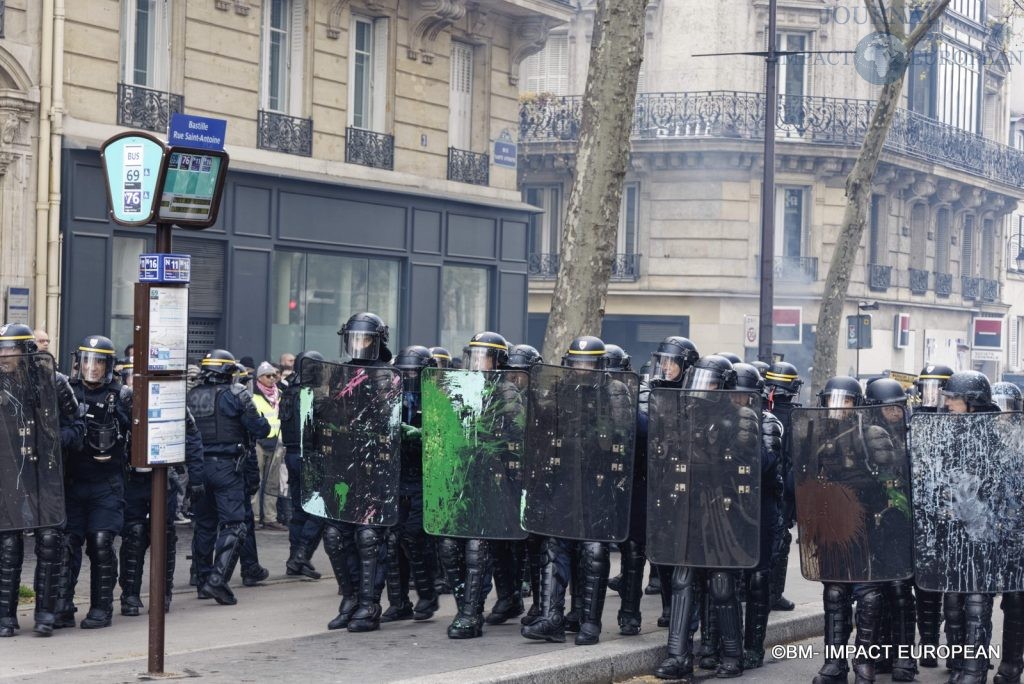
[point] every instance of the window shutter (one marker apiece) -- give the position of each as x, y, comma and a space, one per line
558, 64
351, 69
379, 83
1014, 326
460, 102
296, 58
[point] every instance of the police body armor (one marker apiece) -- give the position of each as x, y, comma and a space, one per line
214, 427
104, 436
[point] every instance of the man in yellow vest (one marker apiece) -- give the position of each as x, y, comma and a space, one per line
269, 451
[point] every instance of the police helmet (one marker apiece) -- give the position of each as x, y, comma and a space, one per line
585, 351
841, 391
218, 365
442, 355
125, 369
306, 369
363, 336
672, 358
761, 367
522, 356
732, 358
95, 359
885, 391
18, 336
747, 377
971, 386
616, 358
712, 372
1007, 396
410, 361
930, 382
486, 351
782, 379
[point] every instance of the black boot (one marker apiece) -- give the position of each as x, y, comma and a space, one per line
339, 549
172, 562
755, 625
134, 541
229, 544
507, 586
298, 564
653, 584
780, 564
102, 577
550, 625
679, 663
929, 619
1012, 663
883, 664
65, 606
837, 633
953, 614
415, 545
534, 561
633, 562
869, 613
399, 605
664, 573
977, 633
595, 587
366, 617
468, 623
12, 555
49, 556
707, 654
903, 622
449, 552
722, 591
572, 618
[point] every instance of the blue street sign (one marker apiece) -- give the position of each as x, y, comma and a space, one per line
187, 130
132, 163
165, 268
505, 154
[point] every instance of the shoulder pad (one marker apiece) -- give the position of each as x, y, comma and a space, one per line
61, 378
125, 393
746, 412
771, 425
241, 392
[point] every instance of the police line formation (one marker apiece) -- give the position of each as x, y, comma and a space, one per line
423, 472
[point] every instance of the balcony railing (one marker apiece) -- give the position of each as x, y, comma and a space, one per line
625, 267
283, 133
469, 167
369, 148
918, 281
819, 120
989, 290
796, 269
146, 108
970, 288
879, 277
943, 284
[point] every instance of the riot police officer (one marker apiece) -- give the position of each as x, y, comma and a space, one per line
442, 356
782, 384
228, 422
95, 493
31, 397
408, 545
1007, 397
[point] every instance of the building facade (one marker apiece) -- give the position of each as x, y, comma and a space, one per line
361, 175
689, 231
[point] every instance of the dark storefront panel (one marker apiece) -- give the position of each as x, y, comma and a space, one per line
350, 247
638, 335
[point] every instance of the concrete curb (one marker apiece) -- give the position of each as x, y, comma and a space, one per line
611, 661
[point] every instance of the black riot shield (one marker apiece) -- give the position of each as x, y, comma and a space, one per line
31, 466
473, 423
852, 474
968, 489
704, 478
580, 437
350, 443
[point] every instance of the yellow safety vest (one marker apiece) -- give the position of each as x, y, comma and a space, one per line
269, 412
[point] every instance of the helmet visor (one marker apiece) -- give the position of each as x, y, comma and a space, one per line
443, 360
362, 345
1005, 402
666, 367
478, 359
931, 390
838, 399
703, 379
93, 366
583, 362
411, 379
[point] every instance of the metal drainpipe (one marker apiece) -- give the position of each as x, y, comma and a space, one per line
53, 252
43, 170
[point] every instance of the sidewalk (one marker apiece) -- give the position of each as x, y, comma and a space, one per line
278, 632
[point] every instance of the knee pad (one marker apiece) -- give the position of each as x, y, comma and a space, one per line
869, 601
367, 539
682, 578
722, 586
101, 547
137, 532
49, 545
837, 594
978, 607
1013, 603
953, 607
12, 549
332, 539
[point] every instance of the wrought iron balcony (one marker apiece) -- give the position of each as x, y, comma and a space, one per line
970, 287
796, 269
625, 267
369, 148
879, 277
918, 281
146, 108
469, 167
943, 284
283, 133
818, 120
989, 290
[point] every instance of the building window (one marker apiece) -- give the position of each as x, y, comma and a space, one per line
793, 76
790, 221
629, 215
313, 294
942, 222
283, 48
367, 90
466, 299
958, 87
460, 98
1015, 246
877, 249
548, 70
967, 248
971, 9
919, 236
545, 228
988, 249
125, 270
145, 43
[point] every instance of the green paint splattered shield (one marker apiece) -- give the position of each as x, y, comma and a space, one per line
31, 463
351, 423
472, 452
704, 478
579, 456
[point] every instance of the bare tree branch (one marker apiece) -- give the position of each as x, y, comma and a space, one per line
925, 25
